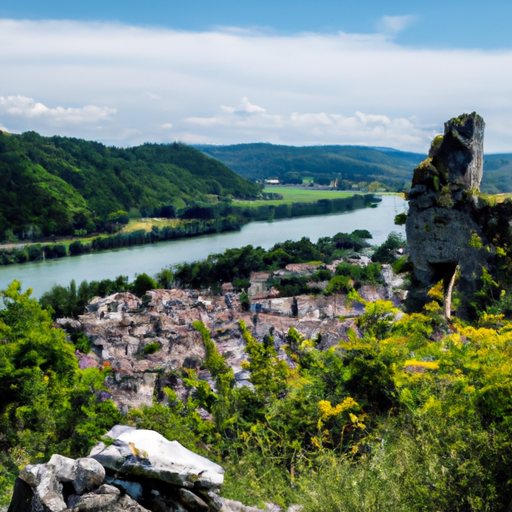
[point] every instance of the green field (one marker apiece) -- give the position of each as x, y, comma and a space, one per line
294, 195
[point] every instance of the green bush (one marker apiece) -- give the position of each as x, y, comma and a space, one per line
400, 219
142, 284
338, 284
402, 265
81, 342
151, 348
362, 233
386, 253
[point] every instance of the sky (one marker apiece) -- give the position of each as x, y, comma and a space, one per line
286, 72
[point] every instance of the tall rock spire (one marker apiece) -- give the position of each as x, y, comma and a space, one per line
445, 224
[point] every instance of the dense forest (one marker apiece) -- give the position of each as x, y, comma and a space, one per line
75, 184
352, 166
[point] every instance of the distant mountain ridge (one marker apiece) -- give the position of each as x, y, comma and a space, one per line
349, 164
56, 185
497, 176
291, 164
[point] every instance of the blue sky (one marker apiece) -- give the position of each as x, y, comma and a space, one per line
448, 24
291, 72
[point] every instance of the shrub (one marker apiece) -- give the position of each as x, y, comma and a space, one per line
386, 253
402, 265
339, 284
81, 342
244, 301
142, 284
400, 219
76, 247
362, 233
151, 348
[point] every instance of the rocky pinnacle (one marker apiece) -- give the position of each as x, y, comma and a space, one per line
462, 150
445, 223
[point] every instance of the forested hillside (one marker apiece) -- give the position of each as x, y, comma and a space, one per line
290, 164
56, 185
351, 165
497, 174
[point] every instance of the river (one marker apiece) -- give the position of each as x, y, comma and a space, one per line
42, 275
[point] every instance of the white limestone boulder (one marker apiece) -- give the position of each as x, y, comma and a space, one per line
146, 453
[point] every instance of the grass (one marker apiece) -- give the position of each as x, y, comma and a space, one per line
147, 224
294, 195
501, 197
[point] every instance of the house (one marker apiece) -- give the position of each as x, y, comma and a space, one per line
258, 282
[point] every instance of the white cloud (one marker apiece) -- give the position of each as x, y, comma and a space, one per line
166, 126
28, 107
360, 128
395, 24
245, 107
295, 89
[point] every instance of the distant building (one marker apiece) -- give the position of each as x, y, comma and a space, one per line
258, 282
272, 182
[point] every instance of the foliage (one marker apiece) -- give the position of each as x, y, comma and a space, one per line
233, 265
386, 253
401, 219
407, 413
74, 184
151, 348
164, 278
370, 273
339, 284
69, 302
236, 265
46, 405
402, 264
142, 284
362, 233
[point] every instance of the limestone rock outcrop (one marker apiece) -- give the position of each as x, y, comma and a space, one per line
140, 472
146, 453
453, 229
121, 327
445, 222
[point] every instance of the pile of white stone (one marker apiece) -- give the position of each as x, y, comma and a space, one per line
134, 470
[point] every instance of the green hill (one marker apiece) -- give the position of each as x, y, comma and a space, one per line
349, 164
56, 185
291, 164
497, 173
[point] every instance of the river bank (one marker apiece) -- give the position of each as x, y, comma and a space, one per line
151, 258
155, 230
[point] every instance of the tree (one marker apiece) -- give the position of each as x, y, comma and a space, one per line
142, 284
46, 404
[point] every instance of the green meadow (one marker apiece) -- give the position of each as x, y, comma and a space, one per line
294, 195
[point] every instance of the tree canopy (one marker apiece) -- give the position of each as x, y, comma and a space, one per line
75, 184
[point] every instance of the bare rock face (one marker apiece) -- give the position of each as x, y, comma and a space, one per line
146, 453
462, 150
57, 485
445, 221
140, 472
122, 327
